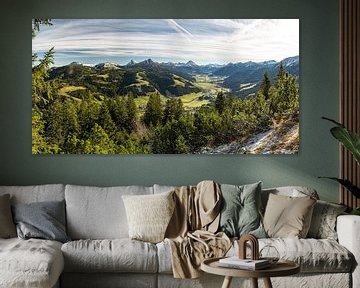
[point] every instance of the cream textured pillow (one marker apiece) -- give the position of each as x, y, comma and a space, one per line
288, 217
149, 215
7, 226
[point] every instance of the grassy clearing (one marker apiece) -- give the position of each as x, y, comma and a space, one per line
178, 81
192, 100
68, 89
209, 85
140, 81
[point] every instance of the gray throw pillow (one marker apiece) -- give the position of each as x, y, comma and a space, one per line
323, 222
7, 227
240, 213
44, 220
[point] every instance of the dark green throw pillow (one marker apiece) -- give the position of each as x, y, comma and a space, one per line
43, 220
240, 213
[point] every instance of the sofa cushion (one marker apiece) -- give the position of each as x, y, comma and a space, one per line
291, 191
43, 220
240, 210
313, 255
35, 193
30, 263
149, 215
323, 222
117, 255
98, 212
7, 226
287, 216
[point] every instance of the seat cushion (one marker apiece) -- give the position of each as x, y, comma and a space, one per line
30, 263
117, 255
313, 255
98, 212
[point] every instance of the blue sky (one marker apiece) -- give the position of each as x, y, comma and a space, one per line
204, 41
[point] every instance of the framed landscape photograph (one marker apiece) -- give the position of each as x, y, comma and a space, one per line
165, 86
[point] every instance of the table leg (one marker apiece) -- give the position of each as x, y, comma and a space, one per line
227, 282
267, 283
254, 282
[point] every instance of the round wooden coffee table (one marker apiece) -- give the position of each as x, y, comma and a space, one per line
281, 268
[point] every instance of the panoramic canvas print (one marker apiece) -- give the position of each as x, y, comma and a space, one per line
165, 86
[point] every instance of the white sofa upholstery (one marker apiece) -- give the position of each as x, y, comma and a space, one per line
348, 229
32, 263
101, 255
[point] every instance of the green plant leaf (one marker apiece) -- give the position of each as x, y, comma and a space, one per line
347, 184
348, 138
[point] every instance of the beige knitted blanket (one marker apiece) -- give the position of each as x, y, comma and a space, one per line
191, 231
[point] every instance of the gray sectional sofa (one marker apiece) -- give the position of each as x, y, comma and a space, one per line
101, 254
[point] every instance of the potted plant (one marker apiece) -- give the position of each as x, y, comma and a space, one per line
351, 141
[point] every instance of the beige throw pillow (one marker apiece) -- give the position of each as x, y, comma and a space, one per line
288, 217
7, 226
149, 215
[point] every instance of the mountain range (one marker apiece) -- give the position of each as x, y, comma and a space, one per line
168, 78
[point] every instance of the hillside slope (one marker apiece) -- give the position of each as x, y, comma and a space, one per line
282, 138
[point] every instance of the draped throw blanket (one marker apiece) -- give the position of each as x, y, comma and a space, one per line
191, 231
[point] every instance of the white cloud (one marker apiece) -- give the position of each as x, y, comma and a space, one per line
200, 40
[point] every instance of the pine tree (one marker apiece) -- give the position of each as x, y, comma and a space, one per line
105, 119
38, 138
174, 109
265, 85
98, 142
220, 102
153, 110
281, 75
132, 113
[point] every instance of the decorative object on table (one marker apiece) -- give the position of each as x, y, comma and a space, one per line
165, 86
269, 253
241, 261
351, 142
254, 246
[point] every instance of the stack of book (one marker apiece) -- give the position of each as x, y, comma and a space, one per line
248, 264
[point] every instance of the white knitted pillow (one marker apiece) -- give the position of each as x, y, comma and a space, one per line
149, 215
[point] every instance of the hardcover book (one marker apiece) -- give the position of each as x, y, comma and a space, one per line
236, 262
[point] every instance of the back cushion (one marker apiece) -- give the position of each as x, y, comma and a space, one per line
163, 188
36, 193
291, 191
98, 212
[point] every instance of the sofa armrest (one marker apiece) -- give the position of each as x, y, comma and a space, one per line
348, 230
